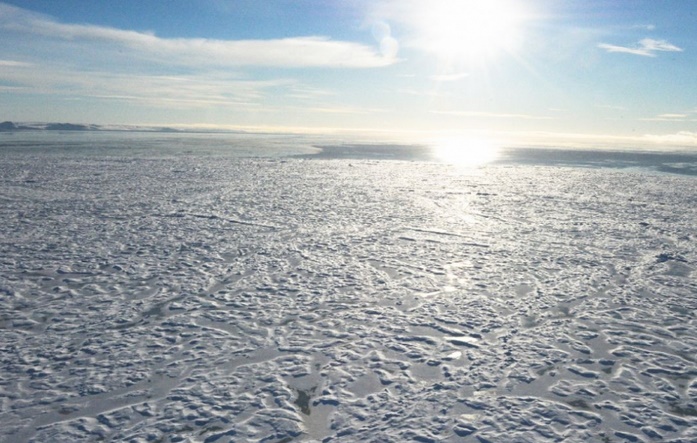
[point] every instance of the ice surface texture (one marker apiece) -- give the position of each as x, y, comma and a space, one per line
210, 299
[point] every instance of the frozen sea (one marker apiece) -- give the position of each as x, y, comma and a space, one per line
263, 288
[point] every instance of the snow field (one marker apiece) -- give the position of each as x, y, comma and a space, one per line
210, 299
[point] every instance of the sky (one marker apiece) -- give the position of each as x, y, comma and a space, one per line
573, 71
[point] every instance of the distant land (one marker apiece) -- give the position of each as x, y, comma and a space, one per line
8, 126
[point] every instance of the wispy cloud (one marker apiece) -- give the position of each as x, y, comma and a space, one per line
294, 52
647, 47
73, 62
167, 91
429, 93
645, 27
346, 110
667, 118
614, 107
13, 89
13, 63
481, 114
450, 77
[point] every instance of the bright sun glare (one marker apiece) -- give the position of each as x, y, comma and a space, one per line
465, 152
470, 30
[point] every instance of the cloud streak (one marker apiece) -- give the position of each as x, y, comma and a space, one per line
482, 114
670, 118
647, 47
294, 52
215, 89
13, 63
450, 77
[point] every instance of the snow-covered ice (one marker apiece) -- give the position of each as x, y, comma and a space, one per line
212, 298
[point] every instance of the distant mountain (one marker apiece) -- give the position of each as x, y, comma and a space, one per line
11, 126
8, 126
70, 127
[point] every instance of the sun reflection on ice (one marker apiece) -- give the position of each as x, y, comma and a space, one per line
465, 152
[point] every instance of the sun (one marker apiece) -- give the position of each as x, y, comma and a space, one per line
470, 30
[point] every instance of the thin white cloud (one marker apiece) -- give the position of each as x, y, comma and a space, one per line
647, 47
482, 114
672, 116
295, 52
345, 110
648, 27
420, 92
614, 107
13, 63
166, 91
305, 92
449, 77
667, 118
13, 89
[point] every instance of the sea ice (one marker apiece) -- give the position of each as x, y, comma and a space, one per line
208, 298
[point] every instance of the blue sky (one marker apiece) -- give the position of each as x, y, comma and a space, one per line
576, 71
